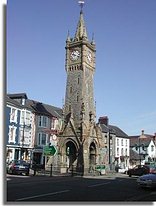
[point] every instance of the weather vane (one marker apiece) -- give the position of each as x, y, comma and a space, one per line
81, 3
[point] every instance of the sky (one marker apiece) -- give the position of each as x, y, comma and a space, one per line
125, 37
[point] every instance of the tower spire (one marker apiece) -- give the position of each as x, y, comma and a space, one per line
81, 31
81, 3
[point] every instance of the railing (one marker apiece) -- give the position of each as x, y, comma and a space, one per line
51, 170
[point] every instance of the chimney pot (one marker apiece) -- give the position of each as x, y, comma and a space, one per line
104, 120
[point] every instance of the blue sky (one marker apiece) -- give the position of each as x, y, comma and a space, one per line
125, 36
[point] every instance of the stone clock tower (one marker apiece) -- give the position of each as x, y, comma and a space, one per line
80, 68
80, 139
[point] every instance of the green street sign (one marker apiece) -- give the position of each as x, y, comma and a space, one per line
50, 150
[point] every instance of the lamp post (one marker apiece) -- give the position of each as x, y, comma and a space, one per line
109, 148
22, 140
139, 152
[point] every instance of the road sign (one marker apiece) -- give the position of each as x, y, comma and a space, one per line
50, 150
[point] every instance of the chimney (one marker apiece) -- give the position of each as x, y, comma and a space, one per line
103, 120
154, 137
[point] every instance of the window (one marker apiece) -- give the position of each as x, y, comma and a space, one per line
22, 117
40, 121
43, 121
122, 152
52, 123
126, 152
13, 115
27, 119
25, 136
23, 101
117, 142
117, 151
152, 148
78, 80
39, 139
121, 142
42, 139
12, 134
126, 142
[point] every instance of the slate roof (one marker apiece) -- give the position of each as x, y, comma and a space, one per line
17, 96
137, 136
38, 107
113, 130
13, 102
44, 109
137, 141
118, 131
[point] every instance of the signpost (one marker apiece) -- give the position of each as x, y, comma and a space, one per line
50, 150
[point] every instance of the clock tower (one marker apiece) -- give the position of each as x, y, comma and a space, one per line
80, 140
80, 68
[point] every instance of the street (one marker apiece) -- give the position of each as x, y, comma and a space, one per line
117, 187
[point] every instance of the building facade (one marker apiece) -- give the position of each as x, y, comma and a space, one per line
19, 127
30, 127
142, 149
117, 144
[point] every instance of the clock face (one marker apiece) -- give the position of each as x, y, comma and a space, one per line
89, 57
75, 54
54, 137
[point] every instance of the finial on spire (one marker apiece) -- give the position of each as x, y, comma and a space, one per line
92, 42
68, 37
81, 4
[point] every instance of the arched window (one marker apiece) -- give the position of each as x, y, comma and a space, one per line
78, 80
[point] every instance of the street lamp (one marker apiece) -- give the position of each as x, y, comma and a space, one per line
109, 147
139, 152
22, 140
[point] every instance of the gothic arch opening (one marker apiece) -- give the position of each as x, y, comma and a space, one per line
71, 154
92, 154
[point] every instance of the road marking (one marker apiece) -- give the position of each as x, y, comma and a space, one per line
18, 176
96, 185
52, 193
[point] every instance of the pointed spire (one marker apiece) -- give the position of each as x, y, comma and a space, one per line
81, 31
93, 42
68, 37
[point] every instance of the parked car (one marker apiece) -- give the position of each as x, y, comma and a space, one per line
18, 167
138, 170
148, 180
152, 168
120, 169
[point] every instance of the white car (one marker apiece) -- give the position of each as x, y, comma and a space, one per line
120, 169
148, 180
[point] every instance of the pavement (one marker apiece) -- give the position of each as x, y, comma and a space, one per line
106, 176
93, 176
